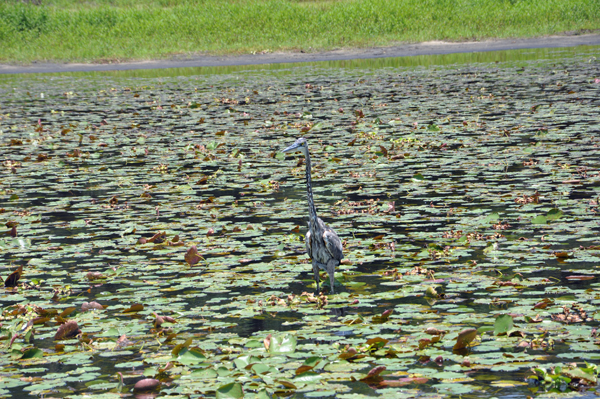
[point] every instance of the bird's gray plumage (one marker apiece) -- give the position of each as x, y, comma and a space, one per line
323, 245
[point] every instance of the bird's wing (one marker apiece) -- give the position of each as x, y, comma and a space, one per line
308, 244
333, 244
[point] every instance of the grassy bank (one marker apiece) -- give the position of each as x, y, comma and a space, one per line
70, 30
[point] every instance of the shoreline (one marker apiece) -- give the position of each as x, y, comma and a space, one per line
403, 50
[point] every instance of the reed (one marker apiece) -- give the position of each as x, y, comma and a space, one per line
117, 30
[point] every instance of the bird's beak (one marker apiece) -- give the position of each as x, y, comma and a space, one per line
292, 147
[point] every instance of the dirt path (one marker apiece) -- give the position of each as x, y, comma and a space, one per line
427, 48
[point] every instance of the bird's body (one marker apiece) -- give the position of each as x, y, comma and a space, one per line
323, 245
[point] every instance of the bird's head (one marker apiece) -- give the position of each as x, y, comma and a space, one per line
299, 145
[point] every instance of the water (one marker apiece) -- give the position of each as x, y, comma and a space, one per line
503, 58
164, 146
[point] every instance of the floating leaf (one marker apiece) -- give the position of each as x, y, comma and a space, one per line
308, 377
383, 317
95, 276
67, 312
578, 373
492, 217
282, 343
138, 307
374, 373
32, 353
431, 292
543, 304
503, 324
350, 354
303, 369
400, 382
465, 337
424, 343
418, 177
232, 390
286, 384
91, 305
377, 342
536, 319
554, 214
540, 219
260, 368
147, 384
179, 347
267, 341
579, 277
13, 278
192, 257
190, 356
159, 320
561, 255
434, 331
67, 330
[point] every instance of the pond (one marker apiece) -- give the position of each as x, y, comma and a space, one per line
466, 196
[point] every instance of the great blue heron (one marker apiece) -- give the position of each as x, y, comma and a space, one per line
322, 243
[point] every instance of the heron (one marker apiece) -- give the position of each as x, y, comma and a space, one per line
322, 243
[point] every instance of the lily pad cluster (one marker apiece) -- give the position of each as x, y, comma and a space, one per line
152, 232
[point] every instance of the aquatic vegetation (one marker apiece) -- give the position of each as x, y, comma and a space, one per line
152, 240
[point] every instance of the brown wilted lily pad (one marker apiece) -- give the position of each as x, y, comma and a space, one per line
91, 305
543, 304
158, 238
374, 373
123, 341
579, 278
403, 381
67, 312
351, 353
377, 342
138, 307
95, 276
68, 330
159, 320
13, 278
383, 317
192, 256
303, 369
434, 331
147, 384
175, 242
464, 338
267, 341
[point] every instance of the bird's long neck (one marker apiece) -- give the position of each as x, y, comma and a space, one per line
312, 211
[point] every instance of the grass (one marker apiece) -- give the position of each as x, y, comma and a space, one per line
72, 30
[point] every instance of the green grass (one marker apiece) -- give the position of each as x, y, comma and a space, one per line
71, 30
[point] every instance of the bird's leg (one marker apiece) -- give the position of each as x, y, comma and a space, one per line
331, 271
329, 268
316, 272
